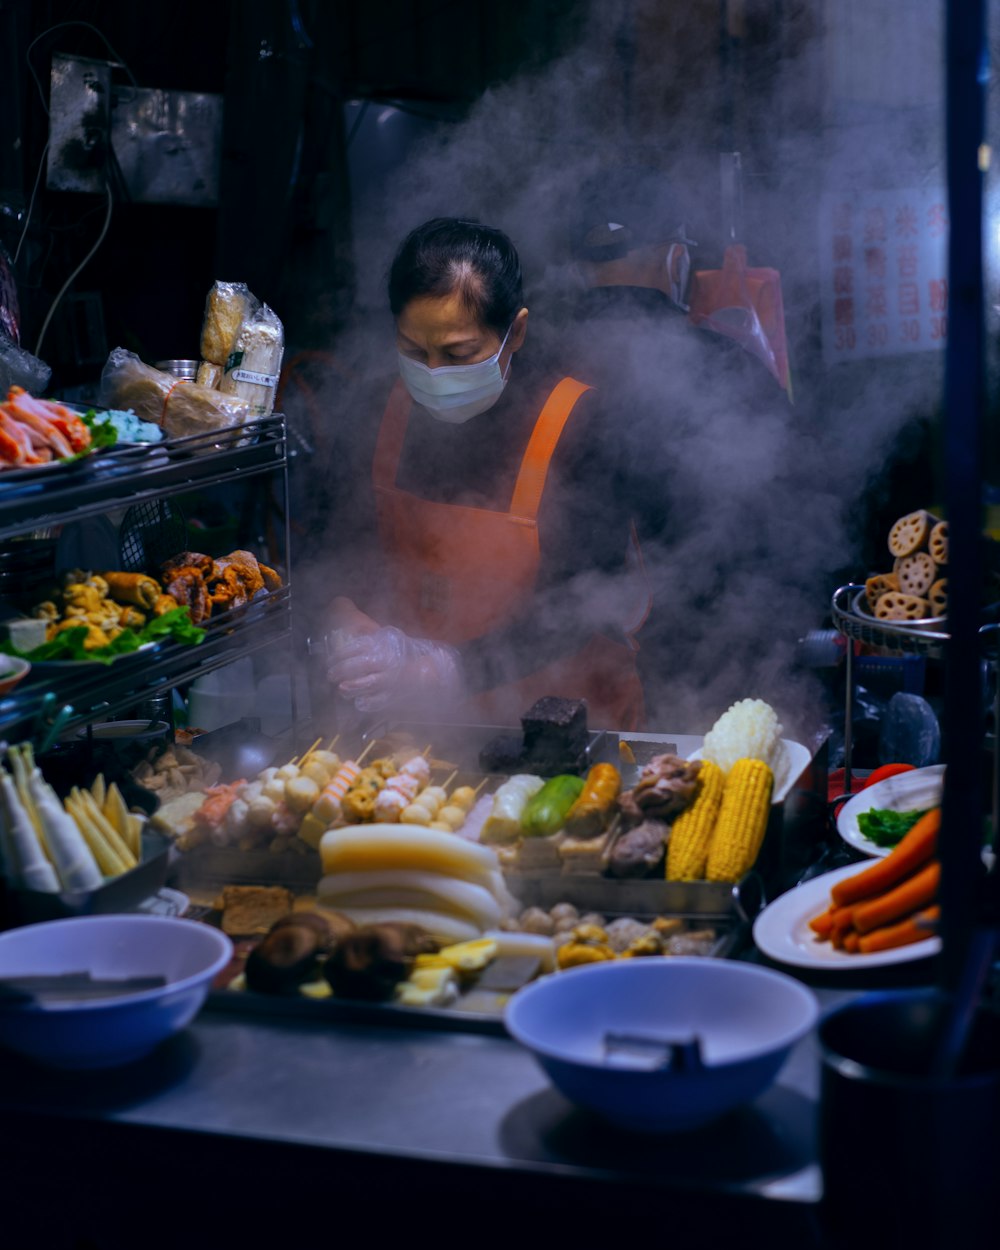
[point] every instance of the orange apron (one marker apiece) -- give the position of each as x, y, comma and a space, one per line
457, 573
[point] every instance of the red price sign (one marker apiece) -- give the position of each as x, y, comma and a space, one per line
883, 266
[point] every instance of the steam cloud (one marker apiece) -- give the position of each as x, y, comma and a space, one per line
767, 500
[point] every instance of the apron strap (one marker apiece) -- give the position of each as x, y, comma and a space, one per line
541, 447
391, 433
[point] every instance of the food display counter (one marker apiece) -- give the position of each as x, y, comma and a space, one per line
409, 1114
257, 1128
424, 1099
406, 1110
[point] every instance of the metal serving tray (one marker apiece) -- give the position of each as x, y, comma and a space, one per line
476, 1010
118, 894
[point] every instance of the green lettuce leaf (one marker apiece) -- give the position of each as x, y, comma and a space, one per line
102, 433
173, 626
886, 827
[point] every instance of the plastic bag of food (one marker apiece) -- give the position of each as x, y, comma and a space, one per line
10, 308
229, 304
180, 407
254, 366
209, 375
20, 368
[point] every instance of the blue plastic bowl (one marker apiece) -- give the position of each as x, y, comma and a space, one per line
103, 1033
746, 1019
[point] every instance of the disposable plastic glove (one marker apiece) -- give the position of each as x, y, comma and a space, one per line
387, 668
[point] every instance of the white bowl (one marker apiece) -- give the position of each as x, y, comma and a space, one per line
103, 1033
746, 1018
12, 670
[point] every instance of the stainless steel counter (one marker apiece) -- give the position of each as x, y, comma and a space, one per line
241, 1124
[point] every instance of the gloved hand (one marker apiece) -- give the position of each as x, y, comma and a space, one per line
387, 668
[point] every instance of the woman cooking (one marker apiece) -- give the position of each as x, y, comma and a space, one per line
501, 511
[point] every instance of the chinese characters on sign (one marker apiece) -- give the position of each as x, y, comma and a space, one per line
883, 269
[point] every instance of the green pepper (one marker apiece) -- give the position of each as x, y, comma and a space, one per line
545, 812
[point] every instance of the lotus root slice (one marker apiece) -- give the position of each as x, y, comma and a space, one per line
916, 573
909, 533
899, 607
876, 587
937, 543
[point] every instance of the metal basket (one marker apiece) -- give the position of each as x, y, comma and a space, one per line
924, 637
150, 533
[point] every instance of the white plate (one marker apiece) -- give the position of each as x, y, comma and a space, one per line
797, 759
914, 791
782, 931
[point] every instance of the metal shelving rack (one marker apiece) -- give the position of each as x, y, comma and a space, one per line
119, 478
923, 639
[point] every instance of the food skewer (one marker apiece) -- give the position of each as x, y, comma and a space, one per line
306, 754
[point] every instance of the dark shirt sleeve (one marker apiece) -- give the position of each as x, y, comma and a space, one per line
583, 536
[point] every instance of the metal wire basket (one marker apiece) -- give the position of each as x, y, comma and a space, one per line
150, 533
916, 638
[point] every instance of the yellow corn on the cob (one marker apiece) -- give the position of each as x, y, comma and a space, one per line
691, 835
742, 823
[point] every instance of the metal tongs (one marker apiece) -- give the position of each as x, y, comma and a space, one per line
29, 991
653, 1054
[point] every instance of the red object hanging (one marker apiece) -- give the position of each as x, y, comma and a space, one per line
744, 304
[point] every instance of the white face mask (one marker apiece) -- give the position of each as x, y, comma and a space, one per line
456, 393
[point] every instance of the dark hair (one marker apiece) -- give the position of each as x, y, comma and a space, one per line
623, 208
451, 254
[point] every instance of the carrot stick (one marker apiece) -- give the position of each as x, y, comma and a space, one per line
842, 925
903, 934
822, 924
838, 939
912, 853
915, 892
852, 941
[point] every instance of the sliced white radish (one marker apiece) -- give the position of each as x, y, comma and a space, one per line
473, 901
445, 928
534, 944
362, 848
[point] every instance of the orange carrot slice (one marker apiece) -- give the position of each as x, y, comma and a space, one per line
916, 848
822, 924
915, 892
905, 933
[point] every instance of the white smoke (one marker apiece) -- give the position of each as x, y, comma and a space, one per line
772, 499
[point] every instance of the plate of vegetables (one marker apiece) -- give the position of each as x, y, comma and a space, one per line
876, 819
790, 930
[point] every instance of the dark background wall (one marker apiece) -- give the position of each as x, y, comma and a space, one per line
680, 81
283, 224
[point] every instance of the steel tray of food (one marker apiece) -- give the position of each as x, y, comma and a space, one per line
305, 959
122, 893
81, 854
325, 868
